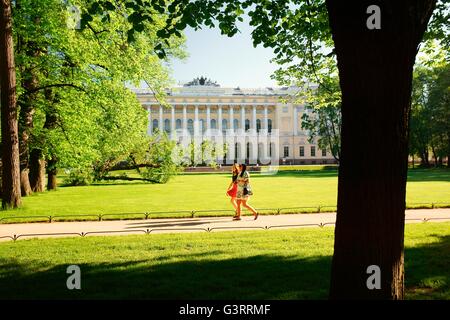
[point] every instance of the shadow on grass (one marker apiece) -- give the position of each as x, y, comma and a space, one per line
427, 273
200, 276
256, 277
433, 174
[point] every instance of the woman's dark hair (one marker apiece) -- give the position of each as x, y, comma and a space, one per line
244, 168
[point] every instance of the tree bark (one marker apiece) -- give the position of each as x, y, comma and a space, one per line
11, 197
52, 171
375, 70
37, 171
26, 124
51, 119
426, 158
25, 186
433, 151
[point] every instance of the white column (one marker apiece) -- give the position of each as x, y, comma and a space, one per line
208, 117
242, 117
231, 117
196, 122
266, 119
295, 121
161, 125
254, 118
219, 118
184, 118
149, 117
172, 121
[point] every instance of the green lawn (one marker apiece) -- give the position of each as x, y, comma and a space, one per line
273, 264
287, 189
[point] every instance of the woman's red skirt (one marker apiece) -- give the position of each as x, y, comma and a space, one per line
233, 191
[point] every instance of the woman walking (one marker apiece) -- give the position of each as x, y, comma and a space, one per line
243, 193
232, 188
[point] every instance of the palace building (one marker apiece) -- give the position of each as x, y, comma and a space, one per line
259, 123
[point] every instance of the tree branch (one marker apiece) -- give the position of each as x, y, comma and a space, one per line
58, 85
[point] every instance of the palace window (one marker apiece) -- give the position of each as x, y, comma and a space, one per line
202, 126
269, 124
313, 151
247, 125
324, 153
224, 125
258, 125
155, 125
178, 124
190, 126
167, 125
302, 151
213, 124
235, 124
286, 151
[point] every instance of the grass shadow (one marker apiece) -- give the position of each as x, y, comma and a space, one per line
207, 277
427, 273
256, 277
430, 174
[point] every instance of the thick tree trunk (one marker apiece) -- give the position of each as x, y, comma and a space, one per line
37, 171
375, 70
11, 197
25, 186
52, 171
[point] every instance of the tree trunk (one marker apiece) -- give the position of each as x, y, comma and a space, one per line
51, 119
26, 125
11, 197
433, 151
37, 171
52, 171
25, 186
375, 71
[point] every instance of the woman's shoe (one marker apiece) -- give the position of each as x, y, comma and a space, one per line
256, 216
236, 218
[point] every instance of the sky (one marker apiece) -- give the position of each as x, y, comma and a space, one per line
232, 62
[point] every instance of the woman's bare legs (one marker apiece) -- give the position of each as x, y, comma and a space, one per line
249, 207
238, 209
235, 205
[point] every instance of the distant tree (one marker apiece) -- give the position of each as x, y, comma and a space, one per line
430, 117
322, 118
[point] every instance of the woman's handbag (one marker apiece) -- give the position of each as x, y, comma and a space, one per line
248, 191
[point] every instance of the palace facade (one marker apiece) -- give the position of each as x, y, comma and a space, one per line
262, 128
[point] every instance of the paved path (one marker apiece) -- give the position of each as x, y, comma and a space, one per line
61, 229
